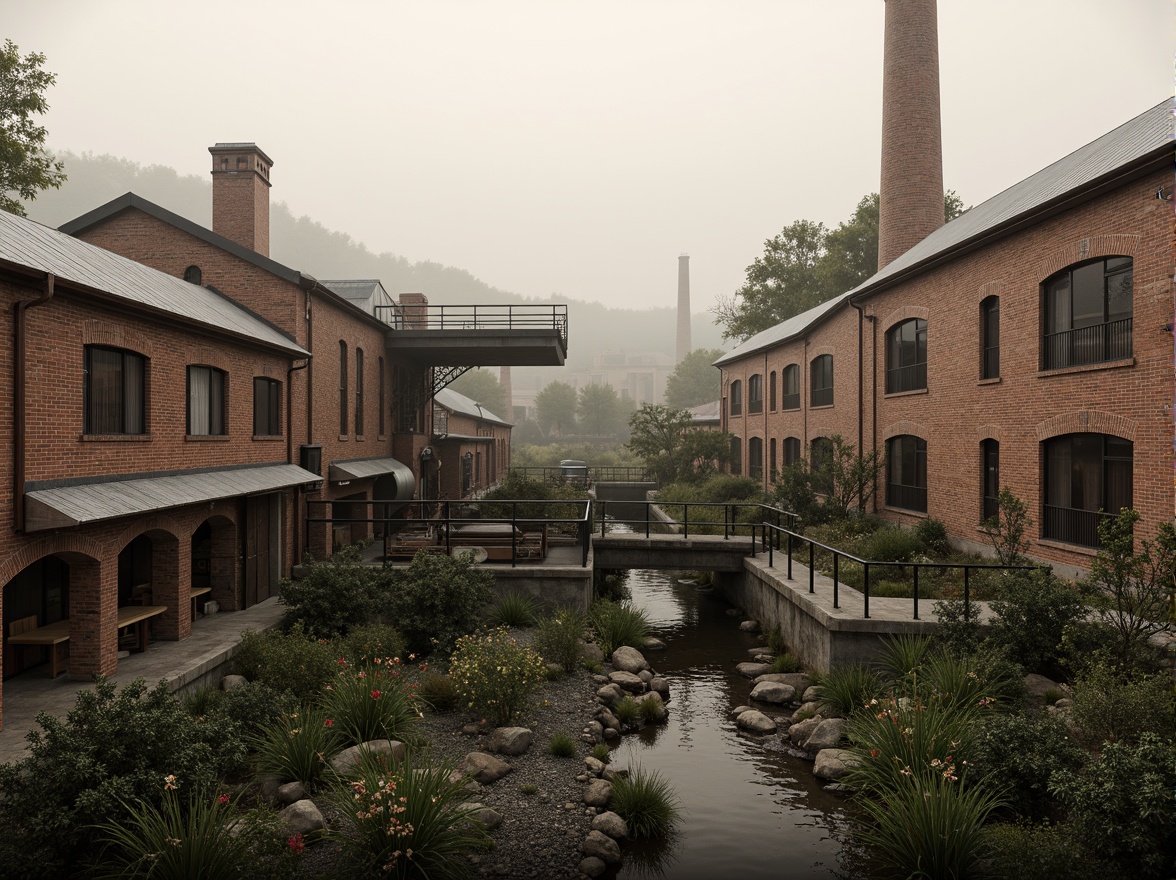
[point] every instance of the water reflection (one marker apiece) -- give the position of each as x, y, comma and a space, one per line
747, 806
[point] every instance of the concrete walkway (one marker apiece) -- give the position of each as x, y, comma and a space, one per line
180, 664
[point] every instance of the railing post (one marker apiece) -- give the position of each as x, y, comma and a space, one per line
514, 554
916, 568
866, 592
771, 547
789, 554
647, 520
753, 540
603, 515
686, 520
836, 558
967, 597
448, 530
812, 569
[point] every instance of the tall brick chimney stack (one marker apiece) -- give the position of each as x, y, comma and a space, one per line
683, 346
911, 203
240, 195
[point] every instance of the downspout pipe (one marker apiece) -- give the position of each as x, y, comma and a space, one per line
861, 393
290, 447
19, 400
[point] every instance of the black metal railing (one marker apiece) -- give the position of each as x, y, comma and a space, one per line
731, 519
595, 474
774, 538
476, 317
910, 378
906, 497
1087, 345
1073, 526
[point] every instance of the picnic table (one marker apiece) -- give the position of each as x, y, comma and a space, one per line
137, 616
51, 635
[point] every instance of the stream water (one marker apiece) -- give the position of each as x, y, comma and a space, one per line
749, 809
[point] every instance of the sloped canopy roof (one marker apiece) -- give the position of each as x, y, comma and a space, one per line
459, 403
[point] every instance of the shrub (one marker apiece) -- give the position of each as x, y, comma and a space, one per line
365, 643
787, 663
252, 706
1114, 705
204, 701
411, 820
495, 675
115, 745
646, 802
652, 710
627, 710
298, 746
1042, 852
1007, 528
893, 544
331, 596
196, 835
438, 692
846, 689
1122, 805
559, 638
561, 745
1022, 750
932, 534
292, 661
618, 624
515, 609
959, 626
601, 752
1032, 614
437, 599
371, 702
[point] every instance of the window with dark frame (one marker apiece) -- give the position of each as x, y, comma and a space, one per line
989, 478
736, 394
206, 402
772, 458
791, 451
990, 338
906, 472
755, 394
344, 425
193, 275
821, 386
755, 458
115, 391
906, 356
358, 392
267, 396
772, 391
791, 398
736, 457
1088, 478
1087, 312
821, 464
381, 420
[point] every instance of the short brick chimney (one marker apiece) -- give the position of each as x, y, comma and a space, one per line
911, 194
240, 195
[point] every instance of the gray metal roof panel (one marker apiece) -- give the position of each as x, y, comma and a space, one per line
782, 332
83, 503
363, 468
459, 403
32, 245
354, 289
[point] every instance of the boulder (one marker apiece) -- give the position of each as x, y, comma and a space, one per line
612, 825
291, 793
347, 761
739, 710
773, 692
627, 659
652, 644
627, 681
750, 626
485, 816
832, 764
484, 768
802, 730
751, 670
826, 735
646, 676
811, 694
302, 817
592, 653
798, 680
1037, 685
230, 682
511, 740
592, 867
659, 713
610, 694
754, 721
269, 788
608, 719
601, 846
594, 765
597, 793
660, 686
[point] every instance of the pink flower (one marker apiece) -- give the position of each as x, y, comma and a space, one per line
223, 799
296, 843
375, 695
328, 723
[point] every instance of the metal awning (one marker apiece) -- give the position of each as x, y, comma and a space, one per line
465, 438
83, 503
367, 468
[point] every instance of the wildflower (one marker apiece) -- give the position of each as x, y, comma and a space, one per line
296, 843
328, 723
223, 799
169, 782
873, 753
172, 841
375, 695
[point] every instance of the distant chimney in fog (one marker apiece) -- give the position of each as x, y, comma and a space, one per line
240, 195
683, 346
911, 194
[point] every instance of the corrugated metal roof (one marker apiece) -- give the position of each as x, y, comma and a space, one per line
359, 290
1148, 133
83, 503
459, 403
705, 412
30, 244
365, 468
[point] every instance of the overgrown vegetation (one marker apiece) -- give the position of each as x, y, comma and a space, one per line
647, 803
617, 624
495, 675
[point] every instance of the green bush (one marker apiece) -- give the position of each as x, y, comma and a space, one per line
617, 624
848, 688
959, 626
1022, 750
253, 706
411, 820
1121, 804
646, 802
559, 638
561, 745
371, 641
495, 675
894, 544
437, 599
627, 710
514, 610
298, 746
374, 701
1115, 705
1032, 614
438, 692
932, 534
1042, 852
331, 596
787, 663
292, 661
115, 745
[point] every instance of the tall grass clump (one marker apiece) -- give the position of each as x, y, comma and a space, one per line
646, 802
903, 654
373, 701
411, 820
515, 610
561, 745
298, 746
617, 624
627, 710
787, 663
559, 638
495, 675
846, 689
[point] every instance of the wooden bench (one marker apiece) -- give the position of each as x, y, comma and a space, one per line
26, 632
196, 594
137, 616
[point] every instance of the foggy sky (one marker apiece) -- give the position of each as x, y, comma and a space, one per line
577, 148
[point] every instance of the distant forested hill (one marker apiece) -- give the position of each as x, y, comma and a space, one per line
308, 246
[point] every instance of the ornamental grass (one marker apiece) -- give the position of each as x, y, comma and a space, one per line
299, 746
617, 624
515, 609
647, 803
372, 701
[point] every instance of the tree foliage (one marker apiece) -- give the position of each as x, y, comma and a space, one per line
695, 379
555, 408
806, 265
600, 410
25, 167
483, 387
672, 448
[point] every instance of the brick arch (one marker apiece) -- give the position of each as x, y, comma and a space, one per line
159, 523
116, 336
68, 547
817, 350
1082, 249
990, 288
896, 429
990, 432
905, 313
1086, 422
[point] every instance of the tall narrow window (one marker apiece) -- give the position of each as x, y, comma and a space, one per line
1087, 314
267, 395
381, 420
990, 338
772, 391
1088, 477
755, 394
736, 398
772, 459
736, 457
791, 451
359, 392
791, 387
115, 391
755, 458
989, 478
906, 472
344, 425
206, 401
821, 464
822, 381
906, 356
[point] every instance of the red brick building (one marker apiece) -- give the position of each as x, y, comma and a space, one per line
470, 445
1028, 344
